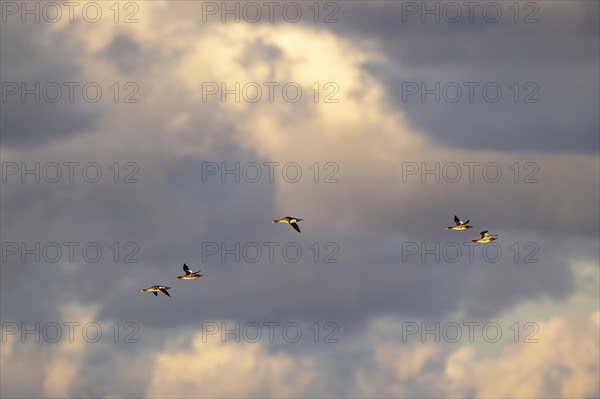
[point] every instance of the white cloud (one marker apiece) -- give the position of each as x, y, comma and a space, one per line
563, 364
50, 367
214, 369
369, 140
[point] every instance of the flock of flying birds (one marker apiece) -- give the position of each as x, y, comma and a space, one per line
460, 225
190, 275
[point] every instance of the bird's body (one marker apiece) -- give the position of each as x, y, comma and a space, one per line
189, 275
458, 225
289, 220
485, 238
155, 289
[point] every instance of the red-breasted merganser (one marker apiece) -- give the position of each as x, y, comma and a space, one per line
155, 289
485, 238
291, 221
458, 225
189, 275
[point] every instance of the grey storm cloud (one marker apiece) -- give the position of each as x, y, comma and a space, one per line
553, 62
33, 122
371, 279
171, 226
171, 212
125, 52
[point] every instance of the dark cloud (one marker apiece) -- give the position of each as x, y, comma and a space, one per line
30, 122
258, 53
565, 34
126, 53
534, 111
558, 57
171, 211
170, 225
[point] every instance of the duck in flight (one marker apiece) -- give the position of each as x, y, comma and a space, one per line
155, 289
485, 238
458, 225
291, 221
189, 275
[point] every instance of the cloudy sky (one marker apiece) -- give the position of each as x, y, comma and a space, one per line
138, 136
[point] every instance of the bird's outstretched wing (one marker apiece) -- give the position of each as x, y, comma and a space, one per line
155, 293
164, 292
456, 220
483, 233
295, 226
186, 269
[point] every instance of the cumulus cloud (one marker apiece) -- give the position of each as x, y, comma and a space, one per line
562, 41
563, 363
213, 369
50, 363
557, 358
171, 131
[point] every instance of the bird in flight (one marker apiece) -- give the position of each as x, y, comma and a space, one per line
189, 275
155, 289
485, 238
291, 221
458, 225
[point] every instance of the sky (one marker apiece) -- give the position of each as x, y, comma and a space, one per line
137, 136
